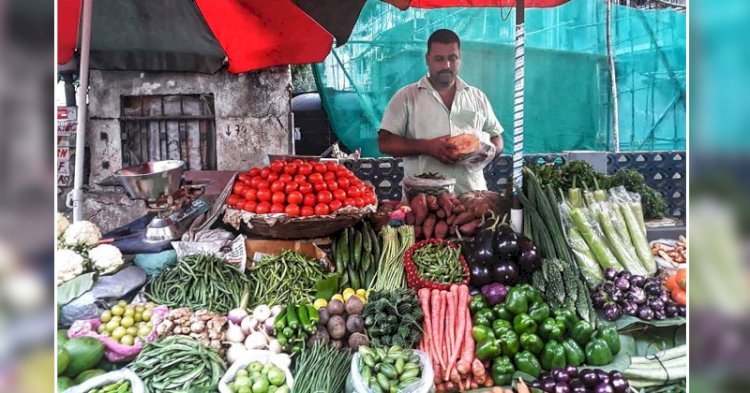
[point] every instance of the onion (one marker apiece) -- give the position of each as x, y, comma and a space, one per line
262, 312
239, 313
234, 333
276, 310
268, 325
282, 360
249, 325
256, 340
274, 346
236, 352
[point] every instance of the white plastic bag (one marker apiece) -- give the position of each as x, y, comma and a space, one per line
426, 383
480, 158
136, 385
279, 360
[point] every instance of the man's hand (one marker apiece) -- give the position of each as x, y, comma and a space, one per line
442, 150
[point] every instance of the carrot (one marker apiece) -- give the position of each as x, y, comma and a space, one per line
452, 332
467, 355
443, 337
477, 368
439, 388
424, 301
437, 370
436, 327
467, 382
488, 382
449, 386
455, 376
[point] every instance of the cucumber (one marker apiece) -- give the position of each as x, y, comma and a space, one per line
388, 370
354, 278
366, 240
413, 373
344, 247
383, 381
357, 249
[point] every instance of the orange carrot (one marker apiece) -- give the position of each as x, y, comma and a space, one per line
477, 368
474, 385
436, 330
467, 354
455, 377
449, 386
488, 382
428, 336
468, 382
439, 388
438, 377
461, 302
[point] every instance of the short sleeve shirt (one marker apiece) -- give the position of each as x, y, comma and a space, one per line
417, 112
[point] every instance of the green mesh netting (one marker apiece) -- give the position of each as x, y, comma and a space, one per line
567, 86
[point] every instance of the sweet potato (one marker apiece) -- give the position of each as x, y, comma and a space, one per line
432, 203
441, 229
417, 231
445, 203
450, 219
470, 227
429, 226
459, 208
463, 218
419, 207
440, 213
409, 220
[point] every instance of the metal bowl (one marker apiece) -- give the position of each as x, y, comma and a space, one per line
152, 179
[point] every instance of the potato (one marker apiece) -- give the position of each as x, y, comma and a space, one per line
357, 339
354, 306
335, 307
336, 327
355, 324
323, 315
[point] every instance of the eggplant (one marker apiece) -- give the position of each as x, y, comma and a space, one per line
624, 274
682, 310
670, 309
615, 374
637, 281
577, 387
589, 377
653, 289
505, 243
617, 296
479, 274
529, 260
612, 311
645, 313
610, 274
548, 385
622, 283
630, 308
562, 387
660, 315
494, 293
505, 273
655, 304
560, 375
536, 384
637, 295
619, 384
609, 287
603, 376
603, 388
572, 371
599, 298
482, 248
664, 296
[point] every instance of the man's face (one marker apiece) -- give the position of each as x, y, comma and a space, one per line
444, 62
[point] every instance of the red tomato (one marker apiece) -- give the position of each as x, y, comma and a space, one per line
292, 210
356, 183
265, 172
294, 198
359, 202
309, 200
251, 194
233, 199
240, 205
349, 202
263, 195
321, 209
263, 208
264, 185
290, 169
370, 200
343, 183
238, 188
305, 169
316, 178
335, 205
272, 177
298, 162
291, 187
331, 166
250, 206
328, 176
339, 195
307, 211
305, 188
325, 196
332, 185
277, 186
286, 178
300, 179
320, 167
277, 208
278, 197
353, 192
254, 171
277, 166
255, 180
243, 178
320, 187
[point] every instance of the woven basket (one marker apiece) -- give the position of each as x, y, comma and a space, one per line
416, 282
292, 228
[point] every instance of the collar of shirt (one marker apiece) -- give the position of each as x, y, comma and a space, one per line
424, 83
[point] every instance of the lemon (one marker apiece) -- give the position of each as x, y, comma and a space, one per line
106, 316
127, 340
338, 297
319, 303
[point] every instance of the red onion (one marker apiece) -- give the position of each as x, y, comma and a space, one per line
238, 314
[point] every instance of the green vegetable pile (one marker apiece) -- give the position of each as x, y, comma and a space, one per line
122, 386
259, 378
524, 334
356, 253
286, 278
439, 262
294, 325
178, 363
391, 370
322, 369
393, 318
199, 282
560, 284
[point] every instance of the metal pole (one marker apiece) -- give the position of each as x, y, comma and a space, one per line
613, 74
77, 194
518, 104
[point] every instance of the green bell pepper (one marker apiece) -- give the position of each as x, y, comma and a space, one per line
477, 303
567, 317
483, 317
552, 329
532, 343
509, 343
539, 311
501, 312
582, 332
598, 353
502, 371
500, 326
533, 296
482, 333
516, 301
526, 362
612, 337
523, 323
487, 350
573, 352
553, 355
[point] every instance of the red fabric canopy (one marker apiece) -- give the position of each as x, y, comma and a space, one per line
68, 12
256, 34
404, 4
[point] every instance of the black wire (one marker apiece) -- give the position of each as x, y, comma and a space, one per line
504, 18
662, 366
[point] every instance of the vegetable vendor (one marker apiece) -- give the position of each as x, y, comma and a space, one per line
421, 117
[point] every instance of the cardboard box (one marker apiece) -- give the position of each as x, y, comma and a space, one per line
256, 248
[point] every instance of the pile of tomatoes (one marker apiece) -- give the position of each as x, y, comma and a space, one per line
300, 189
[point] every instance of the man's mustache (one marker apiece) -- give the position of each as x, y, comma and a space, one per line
449, 72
